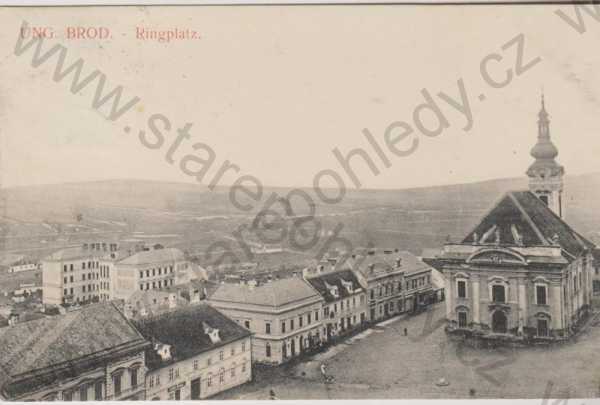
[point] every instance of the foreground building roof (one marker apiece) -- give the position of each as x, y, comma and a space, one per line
45, 350
184, 330
274, 294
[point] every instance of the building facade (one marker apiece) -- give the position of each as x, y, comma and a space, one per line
284, 316
92, 353
72, 275
396, 282
197, 352
149, 270
522, 271
345, 306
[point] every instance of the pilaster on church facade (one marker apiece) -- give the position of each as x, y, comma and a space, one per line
522, 272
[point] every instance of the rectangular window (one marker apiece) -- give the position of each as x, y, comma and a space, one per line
67, 396
117, 385
308, 319
134, 378
171, 374
300, 320
247, 324
268, 328
316, 316
208, 361
291, 324
98, 391
498, 293
540, 291
151, 381
195, 364
462, 288
83, 393
141, 274
243, 346
233, 351
83, 265
221, 355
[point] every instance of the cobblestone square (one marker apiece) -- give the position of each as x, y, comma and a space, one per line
383, 363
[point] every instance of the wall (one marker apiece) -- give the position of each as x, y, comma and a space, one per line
208, 372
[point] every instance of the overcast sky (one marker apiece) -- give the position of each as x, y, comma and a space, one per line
275, 89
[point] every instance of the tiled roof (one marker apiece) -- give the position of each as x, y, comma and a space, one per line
72, 253
183, 330
274, 294
322, 281
55, 341
154, 256
381, 263
521, 215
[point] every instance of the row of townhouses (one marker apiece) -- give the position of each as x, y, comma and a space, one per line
154, 344
291, 316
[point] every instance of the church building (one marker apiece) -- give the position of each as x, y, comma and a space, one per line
522, 272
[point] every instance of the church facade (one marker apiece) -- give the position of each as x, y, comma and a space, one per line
522, 272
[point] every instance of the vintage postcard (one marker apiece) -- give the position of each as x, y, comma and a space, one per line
298, 202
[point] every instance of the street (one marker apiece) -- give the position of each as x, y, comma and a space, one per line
383, 363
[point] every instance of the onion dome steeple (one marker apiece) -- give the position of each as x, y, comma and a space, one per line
545, 174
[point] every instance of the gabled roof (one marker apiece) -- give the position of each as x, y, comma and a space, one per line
381, 263
522, 219
322, 281
154, 256
41, 345
72, 253
274, 294
183, 330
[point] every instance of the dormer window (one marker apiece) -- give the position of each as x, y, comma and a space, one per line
163, 350
212, 333
333, 289
348, 286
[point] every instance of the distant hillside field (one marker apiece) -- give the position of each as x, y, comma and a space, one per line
39, 219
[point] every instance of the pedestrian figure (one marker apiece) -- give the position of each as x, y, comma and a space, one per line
472, 392
272, 394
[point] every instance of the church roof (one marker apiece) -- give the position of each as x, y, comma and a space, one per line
522, 219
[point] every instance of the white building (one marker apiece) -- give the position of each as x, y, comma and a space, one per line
197, 352
149, 270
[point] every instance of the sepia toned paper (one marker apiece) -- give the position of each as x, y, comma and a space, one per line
297, 202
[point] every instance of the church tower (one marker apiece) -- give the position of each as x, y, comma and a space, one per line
545, 175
